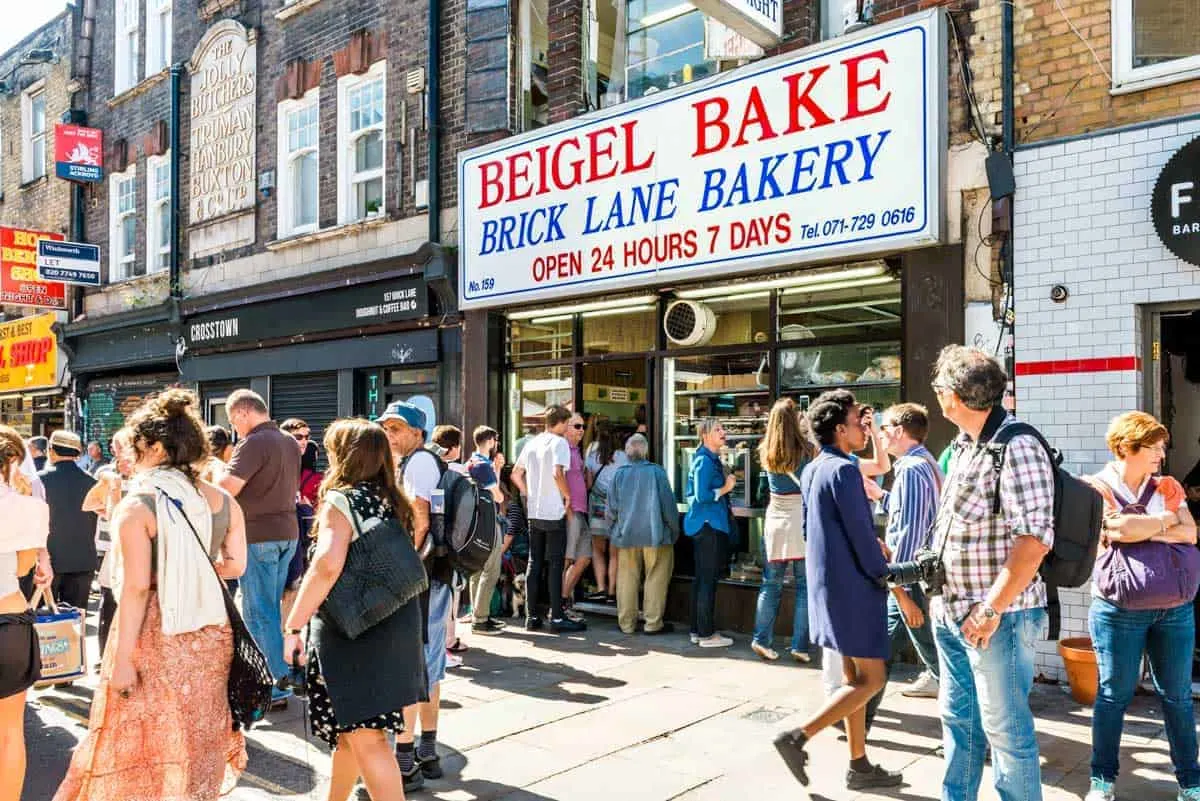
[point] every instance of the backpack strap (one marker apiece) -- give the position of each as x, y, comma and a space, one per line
998, 447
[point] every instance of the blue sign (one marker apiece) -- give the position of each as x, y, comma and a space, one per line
69, 262
79, 172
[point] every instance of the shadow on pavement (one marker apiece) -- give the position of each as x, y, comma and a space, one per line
534, 678
49, 749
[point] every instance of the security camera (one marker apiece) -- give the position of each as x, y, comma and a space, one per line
1059, 293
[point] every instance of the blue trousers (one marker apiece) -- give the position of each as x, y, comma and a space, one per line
262, 593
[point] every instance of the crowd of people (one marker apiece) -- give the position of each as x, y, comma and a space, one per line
582, 513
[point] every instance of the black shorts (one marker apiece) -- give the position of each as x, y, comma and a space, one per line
20, 656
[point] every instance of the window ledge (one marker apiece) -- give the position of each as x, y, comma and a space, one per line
31, 183
137, 90
292, 9
346, 229
133, 280
1142, 84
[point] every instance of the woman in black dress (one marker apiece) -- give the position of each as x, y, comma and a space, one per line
357, 689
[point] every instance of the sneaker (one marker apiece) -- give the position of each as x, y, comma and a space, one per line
793, 756
715, 641
564, 625
571, 614
694, 637
802, 657
926, 686
1101, 790
413, 780
764, 653
597, 597
666, 628
488, 626
533, 624
453, 661
875, 777
1185, 793
279, 698
431, 768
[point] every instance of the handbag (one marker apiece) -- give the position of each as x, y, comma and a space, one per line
250, 682
1147, 575
597, 498
61, 643
382, 573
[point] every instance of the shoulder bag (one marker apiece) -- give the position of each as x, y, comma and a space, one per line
383, 572
1147, 575
248, 687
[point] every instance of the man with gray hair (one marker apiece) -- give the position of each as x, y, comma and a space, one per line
263, 475
643, 525
993, 606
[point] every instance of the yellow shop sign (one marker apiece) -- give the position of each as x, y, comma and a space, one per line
28, 354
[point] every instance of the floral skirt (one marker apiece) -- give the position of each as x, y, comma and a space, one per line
172, 739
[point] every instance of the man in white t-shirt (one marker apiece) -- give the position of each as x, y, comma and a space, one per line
541, 476
420, 474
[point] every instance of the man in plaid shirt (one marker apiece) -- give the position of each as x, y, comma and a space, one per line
993, 607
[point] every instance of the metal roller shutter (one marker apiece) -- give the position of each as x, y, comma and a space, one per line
311, 396
111, 401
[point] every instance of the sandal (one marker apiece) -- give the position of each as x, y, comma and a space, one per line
458, 647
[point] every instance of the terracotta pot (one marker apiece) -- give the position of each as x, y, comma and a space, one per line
1082, 673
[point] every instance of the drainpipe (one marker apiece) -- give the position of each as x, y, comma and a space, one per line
81, 73
434, 110
1008, 135
176, 283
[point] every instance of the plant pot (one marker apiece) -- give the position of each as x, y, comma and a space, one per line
1082, 673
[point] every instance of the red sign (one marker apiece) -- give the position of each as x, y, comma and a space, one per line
78, 152
19, 283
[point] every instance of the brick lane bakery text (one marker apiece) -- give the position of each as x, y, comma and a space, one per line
811, 152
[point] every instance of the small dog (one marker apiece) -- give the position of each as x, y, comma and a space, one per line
519, 605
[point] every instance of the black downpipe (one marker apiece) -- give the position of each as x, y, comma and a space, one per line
1008, 135
433, 112
176, 282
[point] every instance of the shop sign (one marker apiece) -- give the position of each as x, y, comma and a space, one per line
722, 43
294, 317
69, 262
760, 21
1175, 204
19, 281
223, 123
78, 152
28, 353
835, 151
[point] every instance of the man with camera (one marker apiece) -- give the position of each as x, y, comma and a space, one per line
992, 607
911, 506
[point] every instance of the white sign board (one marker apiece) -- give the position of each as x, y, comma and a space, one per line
69, 262
760, 21
722, 43
831, 152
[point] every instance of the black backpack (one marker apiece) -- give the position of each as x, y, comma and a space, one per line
1078, 519
465, 533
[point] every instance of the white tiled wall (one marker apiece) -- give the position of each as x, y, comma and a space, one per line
1082, 219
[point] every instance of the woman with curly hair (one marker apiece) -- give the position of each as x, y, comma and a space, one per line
160, 725
357, 689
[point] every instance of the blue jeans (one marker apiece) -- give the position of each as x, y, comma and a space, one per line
769, 595
262, 593
985, 700
922, 640
1120, 636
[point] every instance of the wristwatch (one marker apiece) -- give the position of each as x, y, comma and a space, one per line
988, 612
293, 631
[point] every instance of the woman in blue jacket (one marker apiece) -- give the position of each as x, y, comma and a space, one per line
847, 595
707, 523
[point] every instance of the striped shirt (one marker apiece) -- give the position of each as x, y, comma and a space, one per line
912, 504
977, 542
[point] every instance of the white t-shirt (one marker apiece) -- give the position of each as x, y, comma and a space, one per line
538, 459
421, 475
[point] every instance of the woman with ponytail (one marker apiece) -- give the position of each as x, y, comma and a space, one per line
167, 663
22, 537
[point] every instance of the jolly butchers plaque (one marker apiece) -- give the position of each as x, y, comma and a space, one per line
224, 75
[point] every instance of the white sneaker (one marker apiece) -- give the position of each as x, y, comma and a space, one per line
453, 661
926, 686
695, 638
715, 641
1101, 791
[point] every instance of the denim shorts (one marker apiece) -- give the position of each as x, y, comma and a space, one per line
440, 601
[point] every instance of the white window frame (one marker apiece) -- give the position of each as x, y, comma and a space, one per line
124, 61
346, 139
156, 209
119, 267
1128, 78
158, 35
286, 223
33, 168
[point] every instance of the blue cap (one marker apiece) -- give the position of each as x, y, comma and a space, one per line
405, 412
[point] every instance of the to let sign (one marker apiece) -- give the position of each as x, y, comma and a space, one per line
831, 152
69, 262
78, 152
28, 353
19, 281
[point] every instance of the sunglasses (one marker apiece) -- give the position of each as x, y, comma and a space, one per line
301, 437
577, 426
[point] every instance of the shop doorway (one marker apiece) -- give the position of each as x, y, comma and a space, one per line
1174, 398
615, 392
419, 386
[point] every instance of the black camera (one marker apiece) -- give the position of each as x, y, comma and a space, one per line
926, 568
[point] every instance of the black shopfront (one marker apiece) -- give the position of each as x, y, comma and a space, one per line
323, 351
